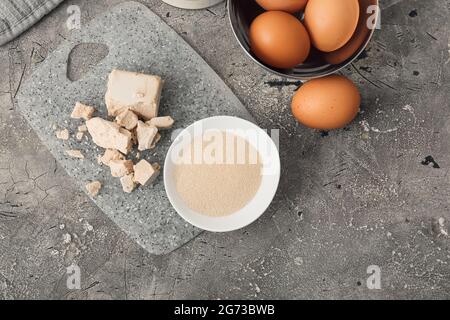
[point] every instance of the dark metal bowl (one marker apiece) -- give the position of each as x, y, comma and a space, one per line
241, 14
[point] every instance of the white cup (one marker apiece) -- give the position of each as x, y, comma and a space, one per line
192, 4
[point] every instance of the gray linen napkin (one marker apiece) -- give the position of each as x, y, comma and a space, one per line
16, 16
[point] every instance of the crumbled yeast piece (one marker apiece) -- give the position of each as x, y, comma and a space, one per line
79, 135
93, 188
145, 173
75, 154
82, 111
155, 141
161, 122
110, 154
109, 135
127, 119
128, 184
62, 134
145, 135
129, 136
133, 91
120, 168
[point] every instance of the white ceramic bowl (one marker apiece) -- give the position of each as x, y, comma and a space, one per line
270, 158
192, 4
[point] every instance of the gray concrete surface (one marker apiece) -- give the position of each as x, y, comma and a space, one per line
372, 194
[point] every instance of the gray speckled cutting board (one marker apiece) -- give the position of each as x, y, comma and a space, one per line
138, 40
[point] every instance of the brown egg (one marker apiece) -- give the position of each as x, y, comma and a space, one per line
331, 23
279, 39
290, 6
326, 103
358, 38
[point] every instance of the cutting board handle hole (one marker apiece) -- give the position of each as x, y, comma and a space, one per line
83, 57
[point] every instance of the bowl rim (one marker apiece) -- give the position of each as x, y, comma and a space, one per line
302, 78
192, 5
246, 215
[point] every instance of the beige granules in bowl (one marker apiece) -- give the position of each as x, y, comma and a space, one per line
223, 178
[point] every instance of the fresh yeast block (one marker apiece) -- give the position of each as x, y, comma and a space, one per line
133, 91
